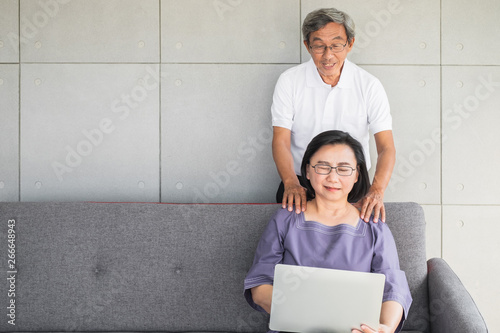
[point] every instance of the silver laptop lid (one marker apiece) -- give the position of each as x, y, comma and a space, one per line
307, 299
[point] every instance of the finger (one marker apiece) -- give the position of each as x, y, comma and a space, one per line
376, 213
382, 211
290, 202
369, 211
358, 330
366, 210
284, 201
367, 329
304, 200
298, 202
364, 206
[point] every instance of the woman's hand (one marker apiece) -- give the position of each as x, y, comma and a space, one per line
390, 315
367, 329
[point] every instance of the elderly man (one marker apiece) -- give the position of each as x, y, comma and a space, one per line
330, 92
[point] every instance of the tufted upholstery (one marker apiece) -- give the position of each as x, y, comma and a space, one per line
158, 267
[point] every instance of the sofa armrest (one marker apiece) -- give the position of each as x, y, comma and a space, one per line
452, 309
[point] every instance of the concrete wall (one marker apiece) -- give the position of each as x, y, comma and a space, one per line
168, 100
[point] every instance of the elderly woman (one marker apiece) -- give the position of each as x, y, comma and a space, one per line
330, 233
330, 93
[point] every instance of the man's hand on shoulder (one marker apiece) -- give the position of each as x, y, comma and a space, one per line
295, 194
373, 202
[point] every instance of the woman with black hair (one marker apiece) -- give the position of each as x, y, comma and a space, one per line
330, 233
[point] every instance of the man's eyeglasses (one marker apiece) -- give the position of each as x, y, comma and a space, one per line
323, 169
320, 49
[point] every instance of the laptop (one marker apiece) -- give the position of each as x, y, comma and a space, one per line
308, 299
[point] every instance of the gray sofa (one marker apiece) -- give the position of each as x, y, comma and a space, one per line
136, 267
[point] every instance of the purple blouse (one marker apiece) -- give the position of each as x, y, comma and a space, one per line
368, 247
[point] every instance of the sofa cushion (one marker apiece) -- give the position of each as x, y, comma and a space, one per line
133, 267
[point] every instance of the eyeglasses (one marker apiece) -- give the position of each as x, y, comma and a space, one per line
320, 49
323, 169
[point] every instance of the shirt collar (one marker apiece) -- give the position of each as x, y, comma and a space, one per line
313, 78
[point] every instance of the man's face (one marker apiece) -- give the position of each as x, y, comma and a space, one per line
329, 63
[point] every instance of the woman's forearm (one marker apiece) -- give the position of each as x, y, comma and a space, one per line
262, 296
391, 314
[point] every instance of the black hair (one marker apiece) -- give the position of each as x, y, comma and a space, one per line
335, 137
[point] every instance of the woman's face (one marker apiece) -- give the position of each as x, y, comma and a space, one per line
329, 64
333, 187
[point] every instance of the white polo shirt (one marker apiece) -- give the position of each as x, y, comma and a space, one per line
307, 106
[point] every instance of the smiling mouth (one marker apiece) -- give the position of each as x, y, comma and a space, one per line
331, 188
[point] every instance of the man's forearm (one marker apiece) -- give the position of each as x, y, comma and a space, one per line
284, 164
386, 158
383, 171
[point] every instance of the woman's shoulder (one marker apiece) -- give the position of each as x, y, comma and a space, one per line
284, 217
282, 220
285, 214
380, 230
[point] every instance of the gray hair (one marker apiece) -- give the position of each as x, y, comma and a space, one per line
319, 18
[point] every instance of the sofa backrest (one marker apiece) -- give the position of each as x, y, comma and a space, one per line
407, 223
156, 267
131, 267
